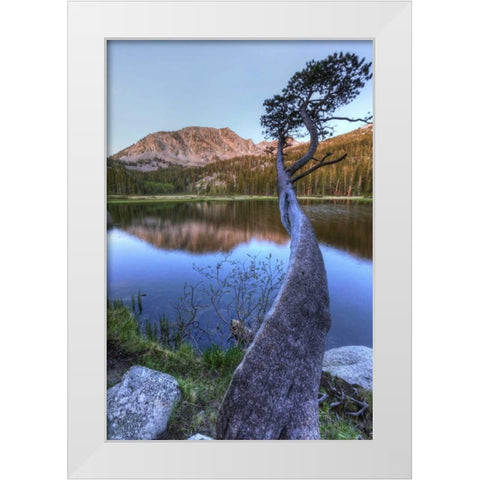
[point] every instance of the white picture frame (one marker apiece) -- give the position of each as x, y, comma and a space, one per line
91, 24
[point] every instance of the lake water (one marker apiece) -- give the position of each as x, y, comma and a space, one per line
158, 249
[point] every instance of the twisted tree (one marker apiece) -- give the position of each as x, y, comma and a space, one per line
274, 391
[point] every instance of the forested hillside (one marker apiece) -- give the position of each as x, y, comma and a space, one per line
255, 175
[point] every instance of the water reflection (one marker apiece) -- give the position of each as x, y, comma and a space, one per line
207, 227
153, 248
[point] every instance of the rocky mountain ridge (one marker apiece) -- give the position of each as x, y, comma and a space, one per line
190, 146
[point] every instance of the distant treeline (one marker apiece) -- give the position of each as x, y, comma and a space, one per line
250, 175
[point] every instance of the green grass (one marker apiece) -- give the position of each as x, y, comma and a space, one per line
122, 199
117, 199
222, 361
203, 379
335, 427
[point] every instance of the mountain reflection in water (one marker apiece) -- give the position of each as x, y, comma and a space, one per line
208, 227
154, 247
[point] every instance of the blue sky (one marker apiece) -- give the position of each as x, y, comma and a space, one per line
168, 85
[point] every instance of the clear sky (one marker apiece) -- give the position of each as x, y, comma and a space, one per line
163, 85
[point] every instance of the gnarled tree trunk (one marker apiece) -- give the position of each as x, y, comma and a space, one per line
274, 391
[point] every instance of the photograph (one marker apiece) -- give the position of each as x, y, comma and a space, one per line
239, 239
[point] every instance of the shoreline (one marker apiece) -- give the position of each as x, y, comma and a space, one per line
117, 199
203, 378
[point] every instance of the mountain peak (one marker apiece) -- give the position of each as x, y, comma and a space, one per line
189, 146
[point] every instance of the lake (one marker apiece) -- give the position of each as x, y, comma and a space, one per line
160, 250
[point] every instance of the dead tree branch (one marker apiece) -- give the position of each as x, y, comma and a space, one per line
348, 119
322, 398
322, 163
357, 414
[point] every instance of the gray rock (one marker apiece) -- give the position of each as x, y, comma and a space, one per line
354, 364
199, 436
139, 406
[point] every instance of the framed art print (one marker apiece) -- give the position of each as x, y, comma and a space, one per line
239, 239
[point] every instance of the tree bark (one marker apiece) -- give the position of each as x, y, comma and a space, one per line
274, 391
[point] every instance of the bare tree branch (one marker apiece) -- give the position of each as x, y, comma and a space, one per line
357, 414
328, 154
322, 398
318, 165
364, 120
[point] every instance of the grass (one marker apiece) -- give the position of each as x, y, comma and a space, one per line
122, 199
203, 379
334, 427
116, 199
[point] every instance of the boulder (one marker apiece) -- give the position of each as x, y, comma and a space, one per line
354, 364
138, 408
199, 436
